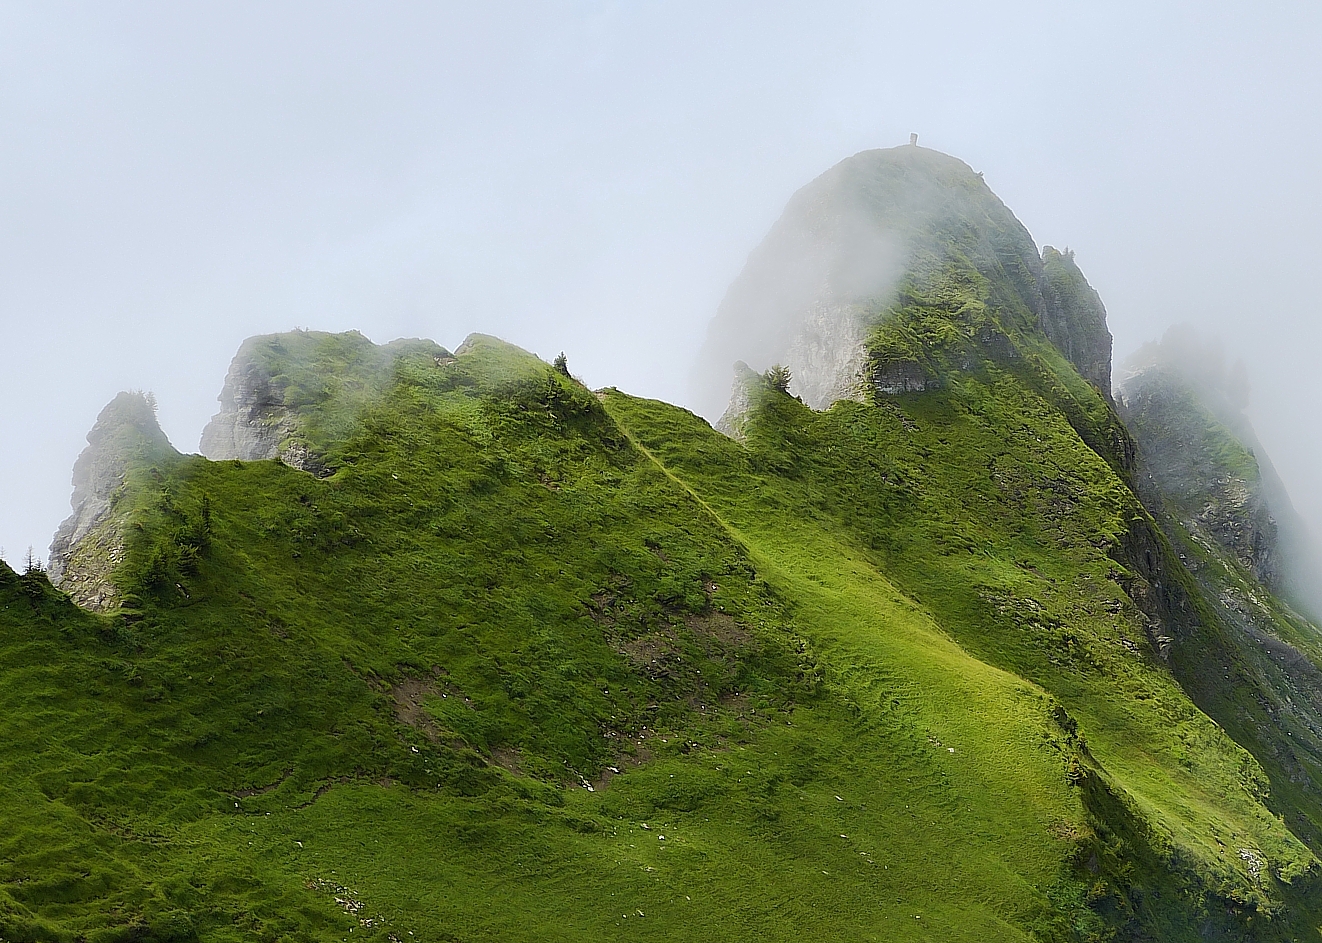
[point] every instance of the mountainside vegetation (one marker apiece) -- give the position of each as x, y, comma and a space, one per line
475, 653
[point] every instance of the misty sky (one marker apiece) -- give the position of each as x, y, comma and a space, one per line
591, 176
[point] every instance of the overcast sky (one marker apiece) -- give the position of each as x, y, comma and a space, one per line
591, 176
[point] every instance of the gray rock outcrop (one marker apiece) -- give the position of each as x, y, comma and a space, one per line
253, 420
90, 542
747, 383
900, 376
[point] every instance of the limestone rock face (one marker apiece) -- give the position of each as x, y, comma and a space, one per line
828, 357
253, 420
803, 297
90, 543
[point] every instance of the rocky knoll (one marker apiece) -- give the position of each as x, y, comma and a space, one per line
287, 394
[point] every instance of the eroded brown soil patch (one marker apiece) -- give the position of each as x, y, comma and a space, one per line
720, 627
408, 696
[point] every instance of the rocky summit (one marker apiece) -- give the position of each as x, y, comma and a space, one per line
906, 227
942, 641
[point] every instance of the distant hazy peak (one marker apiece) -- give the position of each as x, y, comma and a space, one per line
1197, 360
1185, 406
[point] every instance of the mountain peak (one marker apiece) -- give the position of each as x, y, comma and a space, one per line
853, 242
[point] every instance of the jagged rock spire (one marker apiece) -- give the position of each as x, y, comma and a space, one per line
87, 545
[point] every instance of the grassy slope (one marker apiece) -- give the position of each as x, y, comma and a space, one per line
1264, 692
1020, 581
775, 629
872, 674
223, 754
